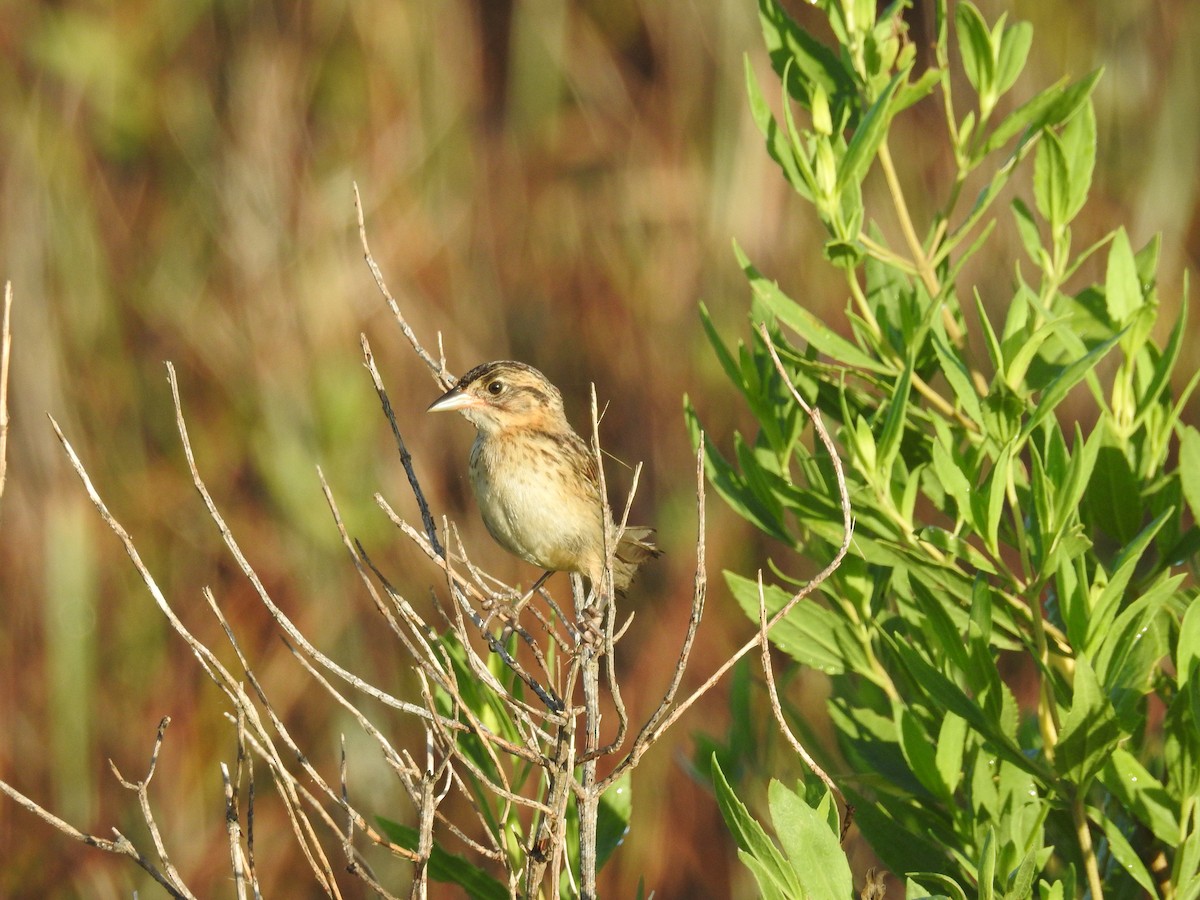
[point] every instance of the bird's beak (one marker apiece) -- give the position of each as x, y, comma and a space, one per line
451, 400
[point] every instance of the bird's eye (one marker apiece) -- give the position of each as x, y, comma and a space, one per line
495, 387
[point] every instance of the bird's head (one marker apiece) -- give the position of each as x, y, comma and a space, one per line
505, 394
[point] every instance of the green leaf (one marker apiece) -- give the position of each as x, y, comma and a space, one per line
987, 865
919, 752
612, 817
1122, 290
943, 635
1079, 147
956, 373
1142, 794
1052, 106
1163, 367
778, 146
975, 45
1058, 388
1021, 886
1112, 502
765, 877
953, 479
752, 839
912, 92
804, 323
447, 867
997, 484
810, 633
1014, 50
1089, 731
944, 694
871, 131
1025, 348
1105, 607
1027, 228
915, 889
1187, 650
811, 62
1189, 467
1052, 182
948, 754
728, 363
1125, 855
1074, 482
902, 836
893, 426
733, 488
1131, 652
995, 353
811, 846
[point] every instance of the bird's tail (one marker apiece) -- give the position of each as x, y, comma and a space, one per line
636, 546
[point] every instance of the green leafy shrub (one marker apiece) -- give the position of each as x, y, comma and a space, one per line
1013, 644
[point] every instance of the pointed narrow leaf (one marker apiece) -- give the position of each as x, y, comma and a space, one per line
804, 323
1188, 648
1079, 147
751, 837
1122, 851
1189, 467
1089, 730
1058, 388
1122, 290
1014, 50
1163, 367
1143, 795
949, 751
812, 847
1031, 239
997, 487
955, 372
975, 45
893, 425
919, 752
868, 136
1053, 105
1052, 182
778, 146
987, 865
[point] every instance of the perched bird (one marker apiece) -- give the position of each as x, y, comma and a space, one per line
533, 476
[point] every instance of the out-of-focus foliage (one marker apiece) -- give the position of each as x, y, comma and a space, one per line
556, 182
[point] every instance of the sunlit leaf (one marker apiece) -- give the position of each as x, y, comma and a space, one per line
752, 839
1122, 290
812, 847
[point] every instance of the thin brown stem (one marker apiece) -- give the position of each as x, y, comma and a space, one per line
438, 367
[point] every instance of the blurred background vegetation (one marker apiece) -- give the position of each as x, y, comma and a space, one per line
556, 181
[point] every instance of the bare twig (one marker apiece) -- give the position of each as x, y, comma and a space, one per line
233, 826
405, 456
142, 789
278, 614
122, 846
437, 367
777, 709
650, 730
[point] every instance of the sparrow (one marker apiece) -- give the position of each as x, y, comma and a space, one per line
534, 478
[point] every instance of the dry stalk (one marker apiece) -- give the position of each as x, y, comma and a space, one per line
169, 880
